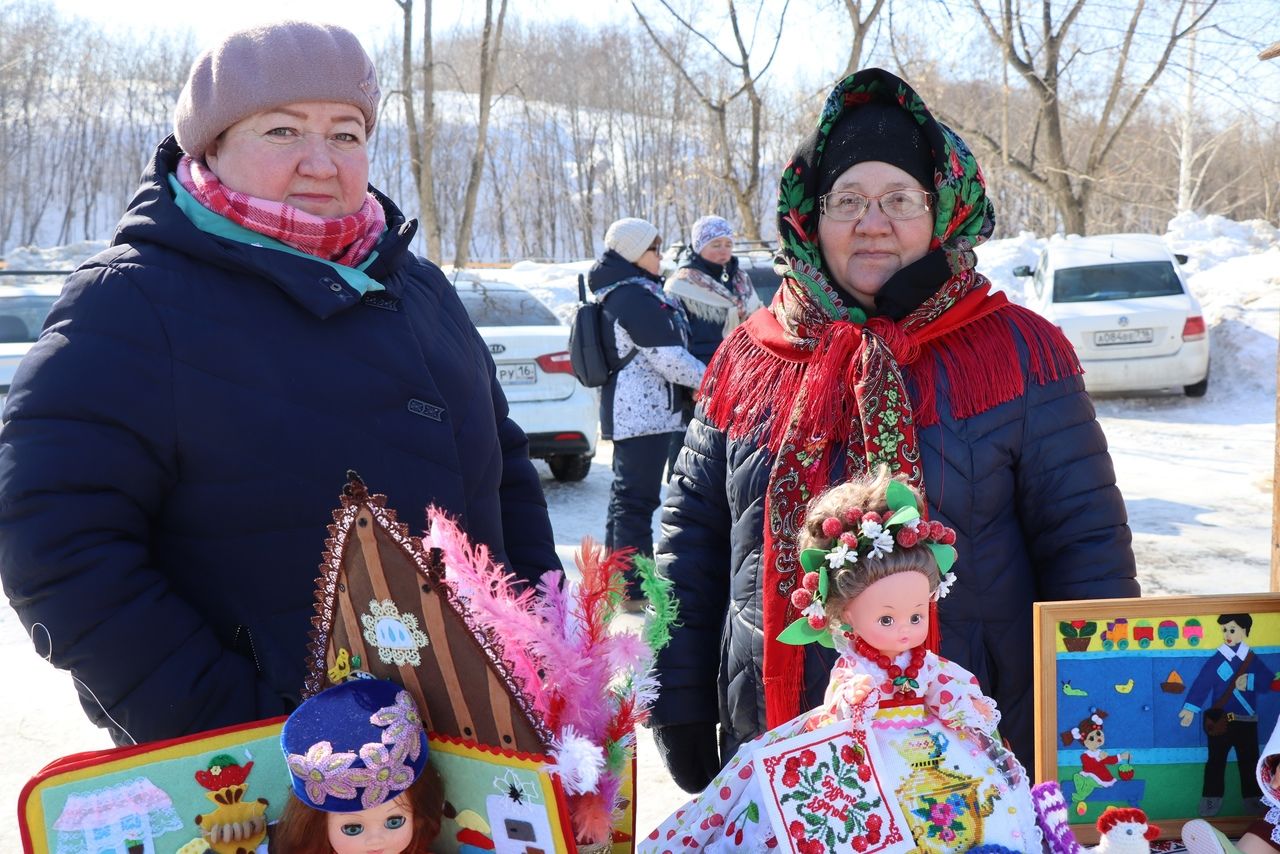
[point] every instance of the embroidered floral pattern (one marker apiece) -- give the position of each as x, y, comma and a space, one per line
326, 774
943, 816
403, 726
383, 775
829, 786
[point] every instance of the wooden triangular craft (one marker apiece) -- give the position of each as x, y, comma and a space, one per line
382, 608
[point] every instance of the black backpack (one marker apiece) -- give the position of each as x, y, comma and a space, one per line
592, 347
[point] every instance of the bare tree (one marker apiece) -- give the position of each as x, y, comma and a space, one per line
861, 28
738, 172
490, 46
420, 134
1040, 51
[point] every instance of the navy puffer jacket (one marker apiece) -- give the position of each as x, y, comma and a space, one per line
176, 441
1029, 488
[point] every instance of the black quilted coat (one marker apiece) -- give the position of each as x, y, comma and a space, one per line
1029, 488
177, 439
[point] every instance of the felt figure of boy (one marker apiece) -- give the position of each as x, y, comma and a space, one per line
1225, 693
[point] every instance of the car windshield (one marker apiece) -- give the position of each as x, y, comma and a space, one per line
22, 317
505, 307
1133, 280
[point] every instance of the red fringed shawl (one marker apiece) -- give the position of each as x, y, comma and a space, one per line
841, 394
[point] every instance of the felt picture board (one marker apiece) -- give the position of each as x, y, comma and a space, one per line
1149, 675
145, 799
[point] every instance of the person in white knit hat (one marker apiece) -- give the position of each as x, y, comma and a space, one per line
639, 406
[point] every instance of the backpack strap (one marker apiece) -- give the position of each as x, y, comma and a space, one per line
600, 296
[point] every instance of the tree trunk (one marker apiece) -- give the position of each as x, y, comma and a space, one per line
490, 45
860, 28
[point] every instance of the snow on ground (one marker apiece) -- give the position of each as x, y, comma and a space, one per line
1196, 475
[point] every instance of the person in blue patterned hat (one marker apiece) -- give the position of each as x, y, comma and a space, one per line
716, 294
357, 757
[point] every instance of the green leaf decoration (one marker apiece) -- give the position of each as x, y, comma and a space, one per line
811, 559
823, 583
753, 812
1088, 630
944, 555
899, 496
827, 640
1066, 629
800, 633
902, 516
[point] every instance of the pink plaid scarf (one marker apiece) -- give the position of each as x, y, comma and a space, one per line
346, 240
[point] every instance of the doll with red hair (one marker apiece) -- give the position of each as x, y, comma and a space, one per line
357, 757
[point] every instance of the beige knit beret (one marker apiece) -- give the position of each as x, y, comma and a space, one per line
630, 237
264, 67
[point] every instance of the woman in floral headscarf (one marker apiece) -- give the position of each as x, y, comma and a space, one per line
885, 346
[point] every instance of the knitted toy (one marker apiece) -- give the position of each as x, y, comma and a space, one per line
1123, 830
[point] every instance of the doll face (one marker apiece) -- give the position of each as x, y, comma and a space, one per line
893, 614
384, 829
1233, 633
1094, 739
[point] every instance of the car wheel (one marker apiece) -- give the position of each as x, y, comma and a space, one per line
1197, 389
569, 466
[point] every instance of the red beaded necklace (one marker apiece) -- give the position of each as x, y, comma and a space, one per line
900, 680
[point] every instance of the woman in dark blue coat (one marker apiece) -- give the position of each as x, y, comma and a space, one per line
176, 441
884, 347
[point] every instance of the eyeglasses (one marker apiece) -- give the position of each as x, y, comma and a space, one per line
895, 204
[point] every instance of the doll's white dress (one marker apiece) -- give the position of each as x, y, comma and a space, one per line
938, 760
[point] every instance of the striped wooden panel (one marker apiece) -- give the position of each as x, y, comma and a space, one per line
455, 685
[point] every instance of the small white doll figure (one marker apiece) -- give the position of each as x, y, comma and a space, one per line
903, 753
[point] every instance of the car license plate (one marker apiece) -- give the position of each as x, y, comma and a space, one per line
1123, 336
517, 373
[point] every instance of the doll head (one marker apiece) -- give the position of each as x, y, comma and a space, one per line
1088, 732
357, 756
882, 563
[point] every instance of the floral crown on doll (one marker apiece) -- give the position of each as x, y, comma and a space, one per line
862, 536
354, 746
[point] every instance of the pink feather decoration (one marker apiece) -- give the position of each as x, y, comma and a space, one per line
557, 640
492, 600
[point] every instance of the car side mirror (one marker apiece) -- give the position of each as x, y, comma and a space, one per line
1022, 270
1182, 259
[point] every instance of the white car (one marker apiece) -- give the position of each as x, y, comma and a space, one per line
1123, 302
23, 308
530, 347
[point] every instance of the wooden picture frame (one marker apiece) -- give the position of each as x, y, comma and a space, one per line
1138, 662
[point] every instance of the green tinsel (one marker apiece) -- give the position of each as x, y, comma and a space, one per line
616, 755
657, 589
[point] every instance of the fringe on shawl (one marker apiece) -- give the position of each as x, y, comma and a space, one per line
748, 384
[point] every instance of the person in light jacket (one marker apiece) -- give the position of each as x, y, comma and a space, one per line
640, 405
